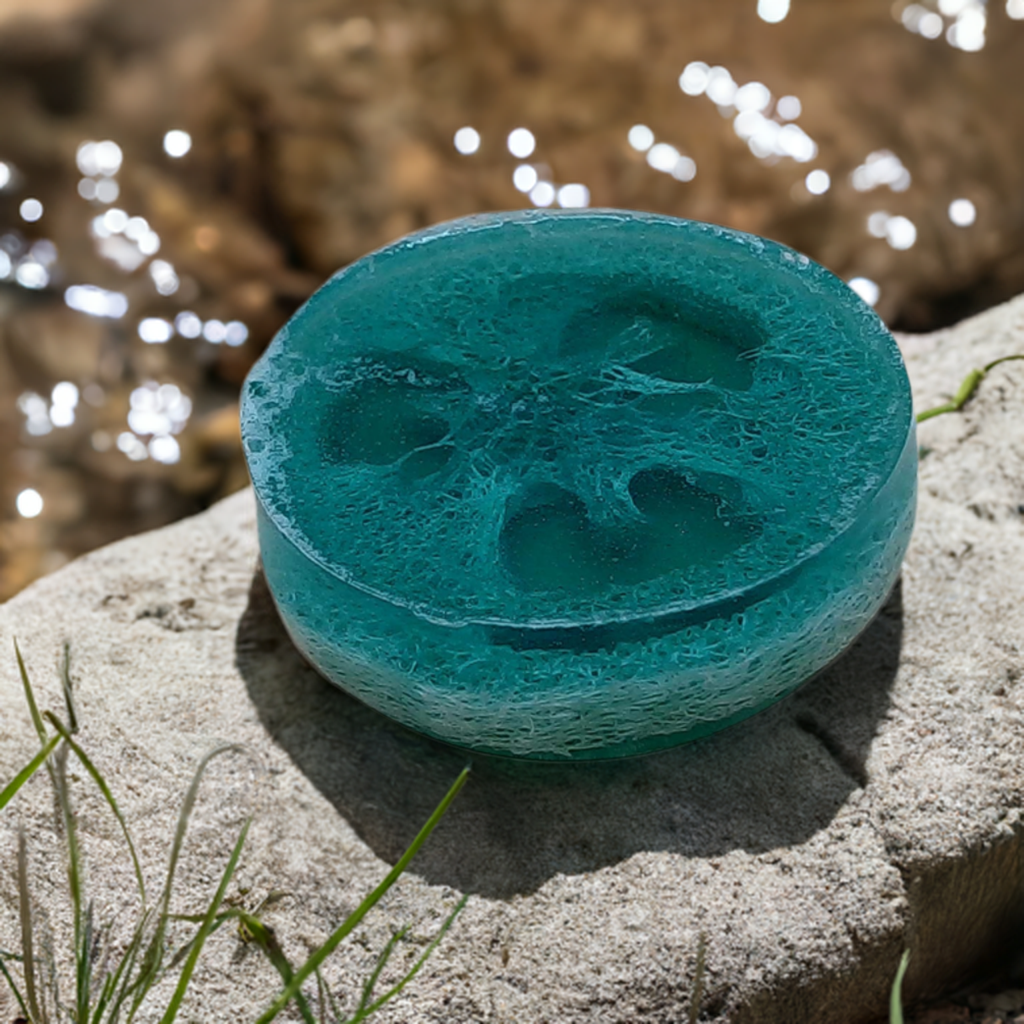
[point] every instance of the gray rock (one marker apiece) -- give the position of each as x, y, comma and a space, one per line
877, 809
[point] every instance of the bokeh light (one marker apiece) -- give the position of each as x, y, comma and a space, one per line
164, 448
36, 412
663, 157
164, 277
29, 503
542, 194
694, 79
900, 232
188, 325
878, 223
235, 333
31, 210
772, 11
867, 289
752, 96
32, 274
919, 19
720, 88
882, 167
88, 298
818, 182
962, 212
99, 158
63, 402
524, 177
789, 108
107, 190
467, 140
641, 138
521, 143
574, 196
685, 169
155, 330
215, 331
177, 143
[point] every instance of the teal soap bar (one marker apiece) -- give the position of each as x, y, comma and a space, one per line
579, 484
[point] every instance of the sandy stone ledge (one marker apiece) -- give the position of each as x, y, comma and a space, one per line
876, 809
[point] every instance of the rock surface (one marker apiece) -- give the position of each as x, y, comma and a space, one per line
878, 808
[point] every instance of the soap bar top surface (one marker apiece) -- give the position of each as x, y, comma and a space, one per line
545, 420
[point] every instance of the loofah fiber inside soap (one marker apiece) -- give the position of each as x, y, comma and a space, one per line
567, 485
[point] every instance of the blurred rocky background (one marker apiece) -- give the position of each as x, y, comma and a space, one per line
177, 176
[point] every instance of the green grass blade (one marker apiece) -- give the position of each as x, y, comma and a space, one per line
371, 982
321, 995
966, 390
324, 988
85, 965
107, 795
185, 949
82, 961
124, 983
65, 683
361, 911
259, 933
52, 979
896, 995
265, 938
363, 1013
11, 983
74, 867
28, 771
106, 992
1002, 359
30, 699
37, 1012
186, 812
204, 929
154, 952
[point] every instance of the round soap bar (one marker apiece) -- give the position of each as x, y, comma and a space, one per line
568, 485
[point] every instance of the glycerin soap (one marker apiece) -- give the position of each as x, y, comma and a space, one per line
579, 484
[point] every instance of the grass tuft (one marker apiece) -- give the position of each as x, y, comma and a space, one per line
111, 990
204, 929
318, 957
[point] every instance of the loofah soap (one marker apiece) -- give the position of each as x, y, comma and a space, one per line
568, 485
